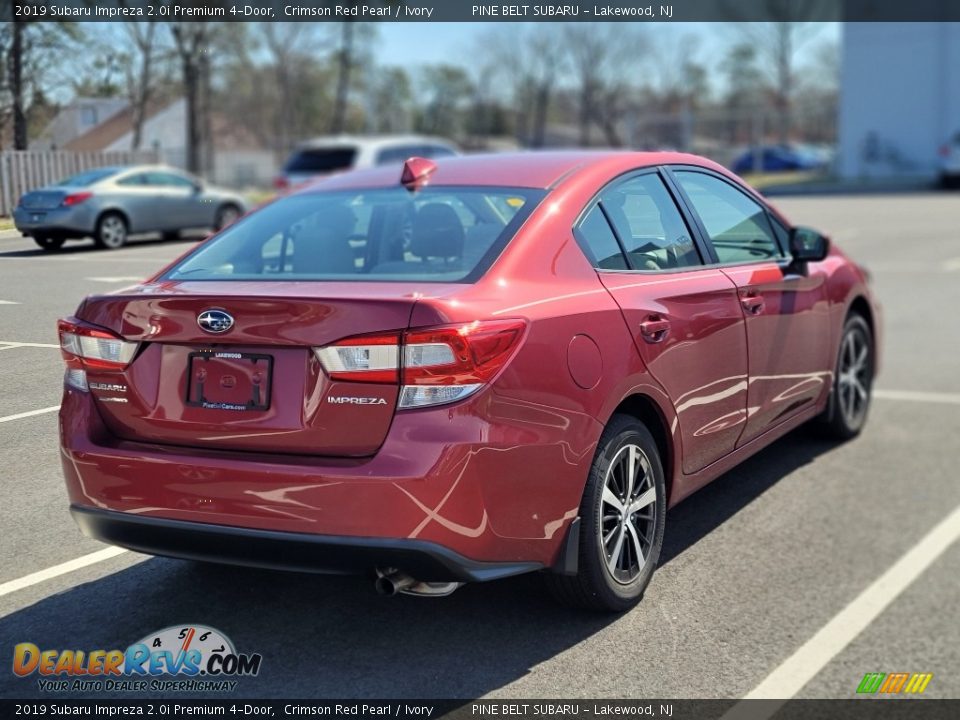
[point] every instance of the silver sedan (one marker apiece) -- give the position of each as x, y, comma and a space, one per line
111, 203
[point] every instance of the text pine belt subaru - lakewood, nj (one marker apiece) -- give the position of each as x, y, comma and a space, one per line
478, 367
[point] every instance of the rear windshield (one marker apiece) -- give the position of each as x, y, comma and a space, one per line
321, 160
436, 234
88, 177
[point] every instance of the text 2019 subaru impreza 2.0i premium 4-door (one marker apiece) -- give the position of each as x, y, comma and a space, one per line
480, 367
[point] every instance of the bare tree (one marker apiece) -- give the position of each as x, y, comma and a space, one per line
531, 61
192, 42
777, 43
16, 86
139, 73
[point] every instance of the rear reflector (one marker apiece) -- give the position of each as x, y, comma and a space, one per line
432, 365
88, 348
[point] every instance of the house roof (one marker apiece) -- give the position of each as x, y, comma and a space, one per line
112, 129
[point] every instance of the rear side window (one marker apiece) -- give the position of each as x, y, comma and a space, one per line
321, 160
88, 177
600, 242
649, 224
736, 224
437, 234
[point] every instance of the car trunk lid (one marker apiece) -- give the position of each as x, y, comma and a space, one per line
257, 386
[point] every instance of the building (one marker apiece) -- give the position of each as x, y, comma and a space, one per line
900, 98
238, 160
77, 118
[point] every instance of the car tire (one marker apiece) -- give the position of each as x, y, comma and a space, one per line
49, 243
171, 235
226, 215
617, 556
850, 396
111, 232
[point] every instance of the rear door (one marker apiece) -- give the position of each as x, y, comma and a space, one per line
786, 312
685, 318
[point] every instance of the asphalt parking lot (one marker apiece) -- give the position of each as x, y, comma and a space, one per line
768, 580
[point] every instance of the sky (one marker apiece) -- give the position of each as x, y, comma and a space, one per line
424, 43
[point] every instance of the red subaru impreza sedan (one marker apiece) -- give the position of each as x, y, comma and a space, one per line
478, 367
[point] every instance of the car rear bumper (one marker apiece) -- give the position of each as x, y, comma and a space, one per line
448, 490
75, 221
287, 551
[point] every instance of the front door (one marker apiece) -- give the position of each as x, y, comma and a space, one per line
789, 354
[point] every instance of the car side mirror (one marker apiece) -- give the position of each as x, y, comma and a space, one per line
808, 245
198, 187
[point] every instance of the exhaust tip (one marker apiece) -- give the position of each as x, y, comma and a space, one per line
391, 583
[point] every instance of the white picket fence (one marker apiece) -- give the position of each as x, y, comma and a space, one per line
25, 170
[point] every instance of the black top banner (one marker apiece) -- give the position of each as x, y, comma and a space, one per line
478, 11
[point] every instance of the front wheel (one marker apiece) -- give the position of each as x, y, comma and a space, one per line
227, 215
623, 513
852, 382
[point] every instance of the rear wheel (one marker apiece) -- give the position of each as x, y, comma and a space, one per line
111, 232
49, 243
227, 215
623, 515
852, 382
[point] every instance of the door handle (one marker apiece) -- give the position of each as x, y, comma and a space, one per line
752, 302
654, 329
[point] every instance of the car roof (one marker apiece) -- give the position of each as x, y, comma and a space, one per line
535, 169
368, 141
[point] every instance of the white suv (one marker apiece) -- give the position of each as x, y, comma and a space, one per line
337, 153
950, 162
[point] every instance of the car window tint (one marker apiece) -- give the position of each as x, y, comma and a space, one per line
397, 154
436, 234
167, 180
88, 177
737, 225
321, 160
601, 243
649, 224
133, 180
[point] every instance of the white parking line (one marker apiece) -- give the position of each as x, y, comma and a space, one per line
911, 396
801, 667
8, 302
61, 569
10, 344
29, 413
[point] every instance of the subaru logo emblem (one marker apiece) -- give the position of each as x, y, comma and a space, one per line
215, 321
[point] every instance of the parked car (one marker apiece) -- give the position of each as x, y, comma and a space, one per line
950, 162
111, 203
778, 158
525, 362
337, 153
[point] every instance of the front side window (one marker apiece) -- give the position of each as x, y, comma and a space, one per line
649, 224
737, 225
436, 234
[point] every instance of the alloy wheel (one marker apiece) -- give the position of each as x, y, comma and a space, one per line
627, 524
113, 231
853, 381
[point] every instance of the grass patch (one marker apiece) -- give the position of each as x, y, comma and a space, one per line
6, 223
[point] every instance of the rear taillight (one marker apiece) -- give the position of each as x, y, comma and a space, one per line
432, 365
76, 198
88, 348
281, 183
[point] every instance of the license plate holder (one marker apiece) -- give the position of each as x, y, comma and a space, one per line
237, 381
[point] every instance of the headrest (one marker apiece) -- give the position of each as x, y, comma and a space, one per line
437, 232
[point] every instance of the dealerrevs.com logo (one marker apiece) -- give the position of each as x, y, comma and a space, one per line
186, 658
